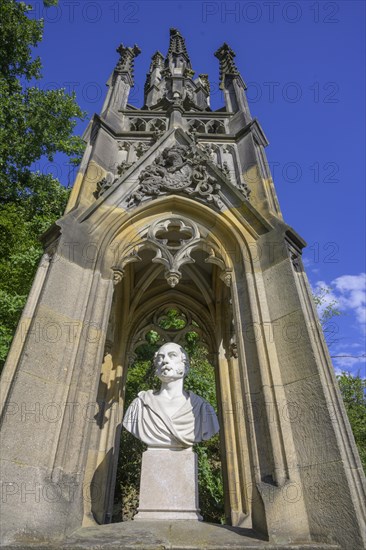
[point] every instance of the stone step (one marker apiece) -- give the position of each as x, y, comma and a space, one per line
166, 535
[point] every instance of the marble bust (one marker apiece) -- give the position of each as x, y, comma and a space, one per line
171, 417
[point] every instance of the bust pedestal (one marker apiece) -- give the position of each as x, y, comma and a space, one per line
169, 485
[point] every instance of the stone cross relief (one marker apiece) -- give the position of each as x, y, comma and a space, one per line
171, 417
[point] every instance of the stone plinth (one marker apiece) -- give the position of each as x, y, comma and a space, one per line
168, 486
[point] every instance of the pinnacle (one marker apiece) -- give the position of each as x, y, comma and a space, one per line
177, 45
227, 64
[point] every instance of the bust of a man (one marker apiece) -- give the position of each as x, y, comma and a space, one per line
171, 417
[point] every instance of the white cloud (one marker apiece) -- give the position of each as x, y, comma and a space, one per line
346, 346
352, 294
354, 370
349, 362
348, 294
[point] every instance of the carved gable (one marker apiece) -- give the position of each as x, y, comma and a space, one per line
178, 169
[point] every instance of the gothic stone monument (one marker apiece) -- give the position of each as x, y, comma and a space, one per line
174, 206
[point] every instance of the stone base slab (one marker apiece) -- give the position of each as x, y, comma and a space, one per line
169, 485
172, 535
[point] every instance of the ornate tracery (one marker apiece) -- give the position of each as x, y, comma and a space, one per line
173, 239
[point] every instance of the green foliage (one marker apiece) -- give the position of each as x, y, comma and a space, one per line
41, 124
201, 377
211, 490
33, 124
173, 320
200, 380
140, 377
18, 35
353, 390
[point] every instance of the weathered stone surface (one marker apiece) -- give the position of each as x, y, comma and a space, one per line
42, 501
282, 297
295, 353
32, 421
170, 535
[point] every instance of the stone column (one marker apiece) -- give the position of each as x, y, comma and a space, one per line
51, 400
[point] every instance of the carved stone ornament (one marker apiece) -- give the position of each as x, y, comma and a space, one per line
225, 170
141, 148
126, 60
226, 277
123, 167
173, 239
178, 169
233, 350
118, 275
205, 82
210, 151
296, 261
295, 256
102, 186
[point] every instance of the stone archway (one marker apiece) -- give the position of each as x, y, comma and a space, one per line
214, 272
170, 323
178, 262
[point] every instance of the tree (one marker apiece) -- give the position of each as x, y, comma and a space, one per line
353, 390
33, 124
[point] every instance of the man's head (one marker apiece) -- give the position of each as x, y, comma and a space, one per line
171, 362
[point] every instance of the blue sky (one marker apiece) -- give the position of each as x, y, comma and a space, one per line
304, 64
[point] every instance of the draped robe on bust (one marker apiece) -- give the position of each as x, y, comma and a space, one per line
195, 421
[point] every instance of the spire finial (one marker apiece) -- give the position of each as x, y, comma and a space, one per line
157, 61
177, 43
177, 48
126, 60
227, 64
